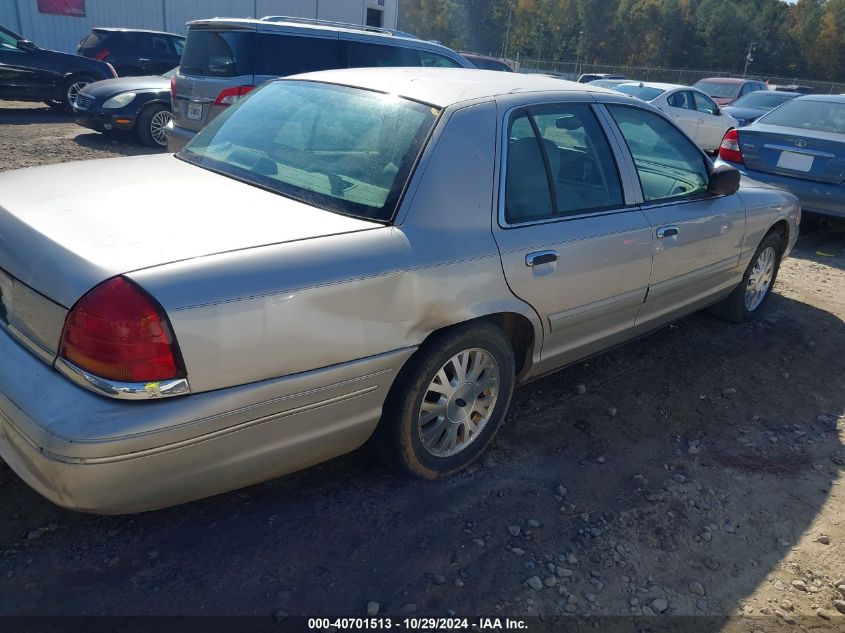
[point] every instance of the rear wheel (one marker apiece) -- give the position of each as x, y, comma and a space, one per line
72, 88
151, 125
748, 299
448, 402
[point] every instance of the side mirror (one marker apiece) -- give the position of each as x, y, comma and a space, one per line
724, 181
717, 111
26, 45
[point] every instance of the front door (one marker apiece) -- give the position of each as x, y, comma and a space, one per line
697, 236
712, 127
570, 246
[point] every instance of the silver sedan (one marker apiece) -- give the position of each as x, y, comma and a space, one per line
359, 255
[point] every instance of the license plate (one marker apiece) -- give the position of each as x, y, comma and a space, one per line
195, 111
795, 161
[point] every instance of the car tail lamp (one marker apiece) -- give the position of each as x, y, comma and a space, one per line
173, 90
231, 95
118, 332
729, 150
102, 55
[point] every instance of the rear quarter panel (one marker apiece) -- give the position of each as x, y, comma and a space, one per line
765, 207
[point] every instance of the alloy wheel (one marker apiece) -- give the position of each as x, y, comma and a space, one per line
760, 279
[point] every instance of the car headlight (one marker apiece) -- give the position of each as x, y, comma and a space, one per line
118, 101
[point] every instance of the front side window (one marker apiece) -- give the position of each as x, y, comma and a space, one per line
668, 163
282, 55
559, 163
7, 42
341, 149
703, 103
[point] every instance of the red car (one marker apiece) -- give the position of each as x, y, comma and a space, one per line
726, 90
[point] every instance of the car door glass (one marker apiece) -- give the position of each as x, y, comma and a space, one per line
179, 45
703, 103
564, 143
160, 46
7, 42
438, 61
668, 164
362, 55
282, 55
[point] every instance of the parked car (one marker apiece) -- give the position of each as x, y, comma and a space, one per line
336, 289
799, 147
29, 73
137, 105
133, 52
588, 77
691, 110
726, 90
226, 58
485, 62
752, 106
608, 83
804, 90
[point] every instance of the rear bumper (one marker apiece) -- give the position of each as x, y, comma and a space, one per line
177, 137
134, 456
815, 197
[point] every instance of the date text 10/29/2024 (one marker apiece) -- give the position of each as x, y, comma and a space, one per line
417, 624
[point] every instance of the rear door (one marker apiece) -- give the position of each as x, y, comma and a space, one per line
682, 111
697, 236
571, 244
215, 63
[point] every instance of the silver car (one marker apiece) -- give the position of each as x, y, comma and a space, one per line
346, 256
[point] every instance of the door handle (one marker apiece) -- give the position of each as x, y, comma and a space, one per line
667, 231
541, 257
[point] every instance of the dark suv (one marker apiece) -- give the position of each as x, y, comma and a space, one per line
226, 58
29, 73
133, 52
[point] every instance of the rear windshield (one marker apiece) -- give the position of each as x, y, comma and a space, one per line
342, 149
823, 116
719, 89
218, 53
763, 100
640, 92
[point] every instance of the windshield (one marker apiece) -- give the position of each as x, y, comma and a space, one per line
640, 92
342, 149
823, 116
763, 100
719, 89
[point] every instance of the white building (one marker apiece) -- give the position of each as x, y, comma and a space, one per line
61, 24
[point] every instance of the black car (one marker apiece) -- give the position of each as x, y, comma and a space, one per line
133, 52
139, 105
29, 73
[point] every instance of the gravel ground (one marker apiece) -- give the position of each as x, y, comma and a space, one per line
694, 472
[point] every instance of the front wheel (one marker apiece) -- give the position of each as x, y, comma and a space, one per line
72, 88
448, 402
747, 300
151, 125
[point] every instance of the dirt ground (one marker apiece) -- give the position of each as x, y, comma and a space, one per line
700, 474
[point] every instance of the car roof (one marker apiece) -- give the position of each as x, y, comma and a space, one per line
113, 29
657, 84
825, 98
443, 87
729, 80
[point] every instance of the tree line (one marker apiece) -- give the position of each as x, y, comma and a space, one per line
805, 39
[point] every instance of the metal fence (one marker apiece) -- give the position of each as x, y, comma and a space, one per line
684, 76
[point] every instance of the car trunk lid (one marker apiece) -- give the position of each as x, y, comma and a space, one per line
104, 218
794, 152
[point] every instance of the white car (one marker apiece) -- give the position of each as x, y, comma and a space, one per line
691, 110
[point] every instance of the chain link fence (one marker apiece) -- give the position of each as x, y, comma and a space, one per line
684, 76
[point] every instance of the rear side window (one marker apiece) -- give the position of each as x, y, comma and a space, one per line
667, 162
282, 55
363, 55
218, 53
682, 99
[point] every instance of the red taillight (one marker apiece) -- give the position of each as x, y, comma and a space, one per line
173, 91
231, 95
120, 333
102, 54
729, 150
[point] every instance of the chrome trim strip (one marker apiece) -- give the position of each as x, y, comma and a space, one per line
122, 390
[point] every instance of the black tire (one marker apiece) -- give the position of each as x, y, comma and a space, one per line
149, 116
733, 307
398, 437
78, 81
